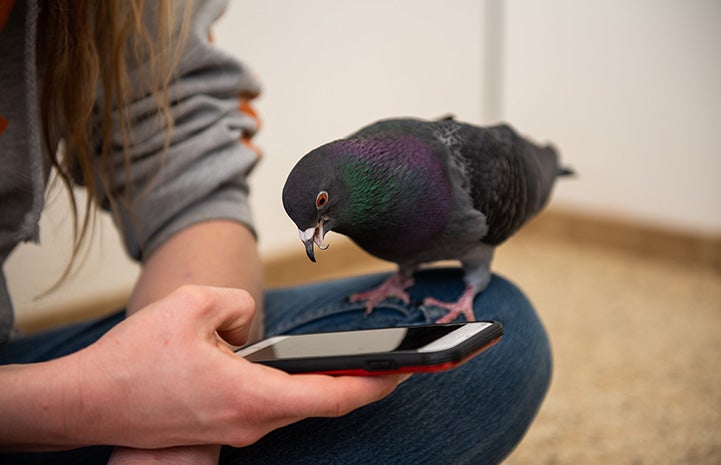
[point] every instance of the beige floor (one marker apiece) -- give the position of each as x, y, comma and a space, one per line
637, 345
637, 350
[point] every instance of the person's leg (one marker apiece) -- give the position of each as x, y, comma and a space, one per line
57, 342
475, 414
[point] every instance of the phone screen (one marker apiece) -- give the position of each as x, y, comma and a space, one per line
385, 340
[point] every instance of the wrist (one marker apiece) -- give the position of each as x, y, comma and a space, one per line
190, 455
41, 406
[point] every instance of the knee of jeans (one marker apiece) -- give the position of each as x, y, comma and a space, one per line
524, 356
529, 362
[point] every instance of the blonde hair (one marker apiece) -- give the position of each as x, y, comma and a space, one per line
86, 48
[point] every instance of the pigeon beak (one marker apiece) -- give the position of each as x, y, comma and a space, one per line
310, 250
311, 237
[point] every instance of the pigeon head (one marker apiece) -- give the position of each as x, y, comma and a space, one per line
314, 196
368, 188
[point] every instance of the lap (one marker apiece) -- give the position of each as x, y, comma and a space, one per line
57, 342
473, 414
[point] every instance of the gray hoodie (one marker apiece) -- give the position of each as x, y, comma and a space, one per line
201, 177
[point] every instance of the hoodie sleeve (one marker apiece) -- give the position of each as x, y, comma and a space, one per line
202, 175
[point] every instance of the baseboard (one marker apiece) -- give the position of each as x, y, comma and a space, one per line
631, 237
84, 310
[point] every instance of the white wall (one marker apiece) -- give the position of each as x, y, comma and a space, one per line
329, 67
629, 90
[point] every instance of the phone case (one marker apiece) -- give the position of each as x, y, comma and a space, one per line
394, 362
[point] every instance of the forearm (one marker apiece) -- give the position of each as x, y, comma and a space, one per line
40, 403
215, 253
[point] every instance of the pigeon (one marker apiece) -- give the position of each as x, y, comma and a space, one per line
414, 192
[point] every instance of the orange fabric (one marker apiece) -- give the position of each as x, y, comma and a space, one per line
246, 108
246, 141
5, 7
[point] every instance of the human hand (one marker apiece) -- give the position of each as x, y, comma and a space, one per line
166, 377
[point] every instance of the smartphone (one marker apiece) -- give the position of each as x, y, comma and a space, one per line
406, 349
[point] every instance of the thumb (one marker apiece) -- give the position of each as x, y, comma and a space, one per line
235, 316
227, 311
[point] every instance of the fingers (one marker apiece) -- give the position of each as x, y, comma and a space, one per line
230, 311
286, 399
330, 396
234, 319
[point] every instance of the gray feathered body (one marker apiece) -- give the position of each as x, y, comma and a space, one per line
480, 185
507, 177
412, 191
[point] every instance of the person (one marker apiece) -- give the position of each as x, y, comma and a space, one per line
155, 122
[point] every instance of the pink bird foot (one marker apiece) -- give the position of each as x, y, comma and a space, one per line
395, 286
462, 306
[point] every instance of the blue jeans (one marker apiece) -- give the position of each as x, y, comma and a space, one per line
475, 414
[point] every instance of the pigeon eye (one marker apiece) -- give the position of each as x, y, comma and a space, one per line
321, 200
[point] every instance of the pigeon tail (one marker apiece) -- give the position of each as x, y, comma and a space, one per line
566, 171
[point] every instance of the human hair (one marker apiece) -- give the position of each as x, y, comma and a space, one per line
86, 50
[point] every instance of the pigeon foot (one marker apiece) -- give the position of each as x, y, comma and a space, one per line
463, 306
395, 286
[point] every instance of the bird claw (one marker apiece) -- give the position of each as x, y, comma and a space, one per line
395, 286
462, 306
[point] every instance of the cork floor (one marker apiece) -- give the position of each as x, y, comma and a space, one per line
637, 350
